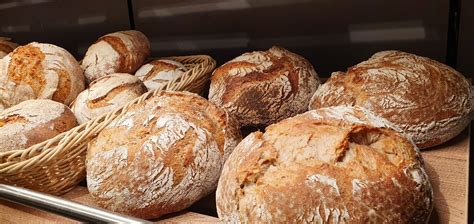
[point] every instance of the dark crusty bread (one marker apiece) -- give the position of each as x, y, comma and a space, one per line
161, 156
428, 100
263, 87
6, 46
331, 165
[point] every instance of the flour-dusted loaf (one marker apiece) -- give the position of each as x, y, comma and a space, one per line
157, 73
33, 121
161, 156
332, 165
119, 52
263, 87
6, 46
39, 71
428, 100
106, 94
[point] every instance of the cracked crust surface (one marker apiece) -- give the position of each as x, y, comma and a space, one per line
263, 87
332, 165
161, 156
157, 73
430, 101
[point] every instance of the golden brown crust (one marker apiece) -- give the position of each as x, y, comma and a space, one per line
26, 68
160, 156
427, 99
333, 165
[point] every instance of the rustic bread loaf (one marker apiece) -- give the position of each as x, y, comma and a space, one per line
6, 46
106, 94
161, 156
39, 71
263, 87
157, 73
332, 165
33, 121
119, 52
428, 100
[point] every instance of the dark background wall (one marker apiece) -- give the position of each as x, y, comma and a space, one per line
332, 34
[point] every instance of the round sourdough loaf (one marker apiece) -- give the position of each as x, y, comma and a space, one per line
332, 165
106, 94
119, 52
33, 121
39, 71
157, 73
428, 100
6, 46
161, 156
263, 87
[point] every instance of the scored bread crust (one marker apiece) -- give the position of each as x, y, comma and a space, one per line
39, 71
119, 52
6, 46
33, 121
332, 165
157, 73
428, 100
105, 95
263, 87
161, 156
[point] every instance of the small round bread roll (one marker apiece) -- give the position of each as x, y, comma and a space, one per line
33, 121
6, 46
106, 94
39, 71
157, 73
161, 156
263, 87
332, 165
119, 52
428, 100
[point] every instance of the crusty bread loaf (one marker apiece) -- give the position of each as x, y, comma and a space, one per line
6, 46
428, 100
106, 94
160, 156
33, 121
332, 165
119, 52
157, 73
39, 71
263, 87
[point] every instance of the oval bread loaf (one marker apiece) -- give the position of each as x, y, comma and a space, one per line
263, 87
428, 100
39, 71
6, 46
33, 121
157, 73
161, 156
119, 52
106, 94
332, 165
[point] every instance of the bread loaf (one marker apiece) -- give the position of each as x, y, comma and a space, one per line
161, 156
119, 52
33, 121
428, 100
106, 94
6, 46
39, 71
263, 87
158, 73
332, 165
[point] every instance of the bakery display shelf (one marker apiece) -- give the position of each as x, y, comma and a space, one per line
447, 166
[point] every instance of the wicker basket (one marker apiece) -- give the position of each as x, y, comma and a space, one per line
55, 166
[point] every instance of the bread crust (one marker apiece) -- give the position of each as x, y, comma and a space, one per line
157, 73
428, 100
332, 165
161, 156
106, 94
33, 121
39, 71
119, 52
6, 46
263, 87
